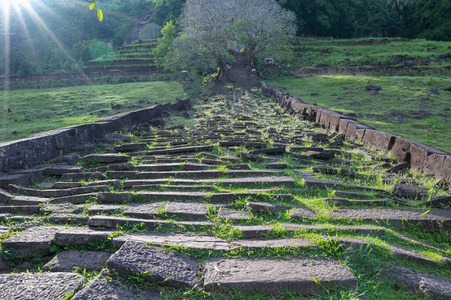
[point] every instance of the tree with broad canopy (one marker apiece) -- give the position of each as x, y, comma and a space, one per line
212, 29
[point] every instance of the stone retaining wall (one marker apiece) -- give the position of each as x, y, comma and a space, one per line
46, 145
421, 158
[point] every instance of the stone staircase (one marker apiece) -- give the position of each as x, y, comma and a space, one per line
247, 198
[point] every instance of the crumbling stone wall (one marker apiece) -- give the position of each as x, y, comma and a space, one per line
421, 158
46, 145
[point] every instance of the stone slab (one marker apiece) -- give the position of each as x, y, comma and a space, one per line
106, 158
37, 240
301, 213
180, 150
229, 214
113, 222
409, 191
279, 243
62, 208
65, 219
241, 181
79, 236
418, 282
272, 276
27, 200
40, 286
429, 219
67, 260
263, 207
175, 238
146, 210
164, 267
311, 183
106, 288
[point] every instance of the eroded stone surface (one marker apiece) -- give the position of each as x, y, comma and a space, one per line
40, 286
34, 240
427, 218
67, 260
162, 266
105, 288
273, 275
177, 238
419, 282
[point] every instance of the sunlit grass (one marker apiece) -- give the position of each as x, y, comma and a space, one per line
30, 111
400, 96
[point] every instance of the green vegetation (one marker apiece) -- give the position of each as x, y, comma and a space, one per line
25, 112
364, 52
406, 106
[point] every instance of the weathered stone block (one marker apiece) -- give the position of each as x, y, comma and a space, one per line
161, 266
379, 140
302, 275
38, 286
67, 260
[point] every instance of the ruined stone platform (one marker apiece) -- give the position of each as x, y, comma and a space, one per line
245, 198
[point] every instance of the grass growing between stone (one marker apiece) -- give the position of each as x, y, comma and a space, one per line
413, 107
368, 52
25, 112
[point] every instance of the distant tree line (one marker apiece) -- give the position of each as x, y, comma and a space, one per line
429, 19
81, 37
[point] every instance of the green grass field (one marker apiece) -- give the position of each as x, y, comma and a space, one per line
406, 106
369, 52
25, 112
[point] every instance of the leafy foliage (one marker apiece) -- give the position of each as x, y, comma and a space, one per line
169, 33
212, 29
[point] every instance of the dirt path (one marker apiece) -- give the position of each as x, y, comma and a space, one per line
239, 74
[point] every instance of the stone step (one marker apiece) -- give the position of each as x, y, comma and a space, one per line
104, 287
39, 285
256, 230
284, 181
156, 265
130, 147
67, 260
37, 240
75, 199
276, 243
305, 276
106, 158
418, 283
181, 150
170, 167
53, 193
26, 200
269, 151
113, 222
22, 209
173, 187
145, 160
312, 183
86, 176
58, 170
348, 202
426, 219
81, 236
190, 240
65, 219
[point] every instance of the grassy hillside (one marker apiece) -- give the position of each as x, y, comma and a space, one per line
405, 106
369, 52
24, 112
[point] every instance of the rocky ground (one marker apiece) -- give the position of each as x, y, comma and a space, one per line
246, 199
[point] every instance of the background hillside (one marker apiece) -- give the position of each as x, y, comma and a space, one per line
72, 34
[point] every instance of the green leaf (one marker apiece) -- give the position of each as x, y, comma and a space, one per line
91, 7
100, 14
425, 212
